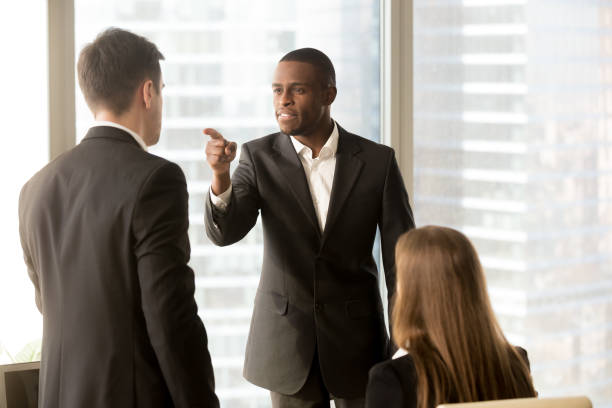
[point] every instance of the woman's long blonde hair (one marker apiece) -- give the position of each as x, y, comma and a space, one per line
443, 316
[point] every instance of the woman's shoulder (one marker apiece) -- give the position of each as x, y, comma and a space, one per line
392, 383
523, 353
401, 367
403, 363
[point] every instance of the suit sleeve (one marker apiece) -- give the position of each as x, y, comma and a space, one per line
231, 225
384, 388
32, 272
167, 285
395, 219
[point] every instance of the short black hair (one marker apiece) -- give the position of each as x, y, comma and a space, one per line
113, 66
318, 59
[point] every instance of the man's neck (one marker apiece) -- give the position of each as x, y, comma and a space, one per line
127, 120
316, 140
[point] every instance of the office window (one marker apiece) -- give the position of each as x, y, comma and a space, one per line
23, 109
220, 57
513, 146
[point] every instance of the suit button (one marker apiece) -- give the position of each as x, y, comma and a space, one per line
318, 307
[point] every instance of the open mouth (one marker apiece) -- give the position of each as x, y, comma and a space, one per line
286, 116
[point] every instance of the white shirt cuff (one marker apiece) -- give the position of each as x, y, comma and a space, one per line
222, 200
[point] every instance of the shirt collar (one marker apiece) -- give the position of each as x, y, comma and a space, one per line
328, 150
118, 126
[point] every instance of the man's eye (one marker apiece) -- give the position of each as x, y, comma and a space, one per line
276, 91
299, 90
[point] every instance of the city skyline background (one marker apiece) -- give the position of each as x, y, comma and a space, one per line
512, 145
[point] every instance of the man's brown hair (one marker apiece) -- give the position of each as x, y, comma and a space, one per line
113, 66
443, 316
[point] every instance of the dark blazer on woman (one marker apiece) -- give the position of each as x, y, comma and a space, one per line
393, 383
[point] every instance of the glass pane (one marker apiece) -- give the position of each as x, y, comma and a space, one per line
24, 116
220, 57
513, 147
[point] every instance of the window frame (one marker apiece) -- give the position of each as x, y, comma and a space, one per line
397, 84
61, 85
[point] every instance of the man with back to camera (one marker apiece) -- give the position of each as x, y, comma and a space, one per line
104, 234
318, 323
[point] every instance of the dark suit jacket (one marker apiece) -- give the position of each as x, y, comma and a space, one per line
104, 234
393, 383
316, 289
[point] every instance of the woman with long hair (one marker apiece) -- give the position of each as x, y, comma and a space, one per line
453, 347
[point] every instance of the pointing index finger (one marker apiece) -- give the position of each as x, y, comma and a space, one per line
213, 133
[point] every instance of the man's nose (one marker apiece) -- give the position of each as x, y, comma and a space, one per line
285, 98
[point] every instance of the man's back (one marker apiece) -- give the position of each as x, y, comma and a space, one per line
104, 232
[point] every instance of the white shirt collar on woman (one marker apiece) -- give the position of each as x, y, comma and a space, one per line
400, 353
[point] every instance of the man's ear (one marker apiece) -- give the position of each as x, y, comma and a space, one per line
147, 93
330, 95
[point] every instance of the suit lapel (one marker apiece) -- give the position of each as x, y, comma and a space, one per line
290, 166
348, 168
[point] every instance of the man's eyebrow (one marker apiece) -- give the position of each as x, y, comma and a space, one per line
293, 84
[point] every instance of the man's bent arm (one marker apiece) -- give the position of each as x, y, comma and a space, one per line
225, 226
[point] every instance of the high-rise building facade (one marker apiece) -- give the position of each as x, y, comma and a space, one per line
513, 146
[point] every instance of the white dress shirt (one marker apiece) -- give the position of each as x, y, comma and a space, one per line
319, 174
135, 135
